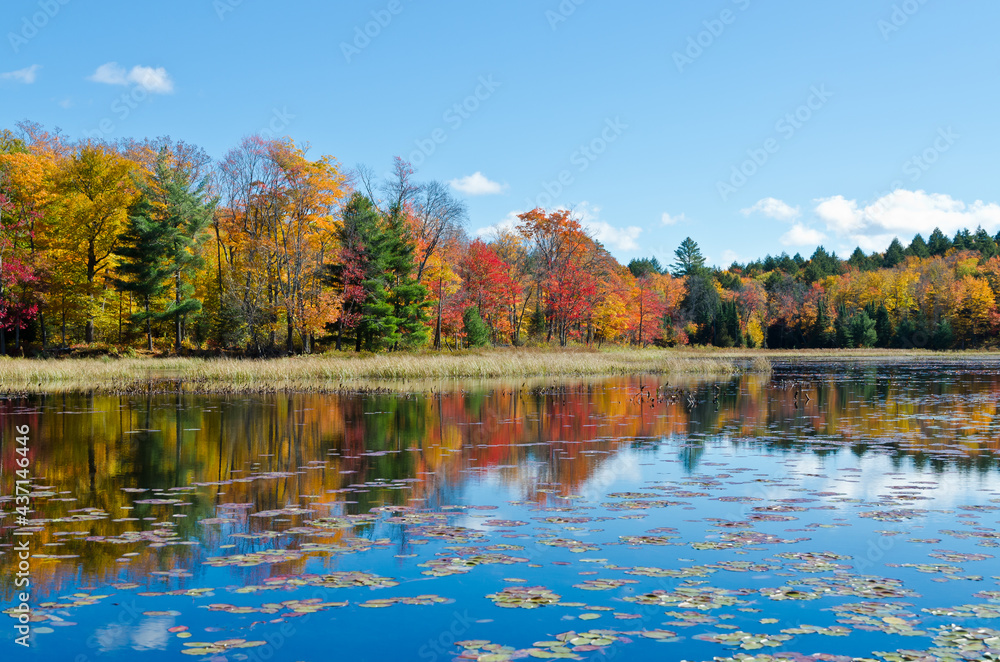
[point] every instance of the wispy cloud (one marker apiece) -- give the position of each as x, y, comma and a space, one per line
477, 184
26, 75
668, 219
155, 80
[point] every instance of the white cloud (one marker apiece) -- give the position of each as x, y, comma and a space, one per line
611, 236
477, 184
152, 80
110, 74
902, 214
26, 75
801, 235
673, 220
774, 208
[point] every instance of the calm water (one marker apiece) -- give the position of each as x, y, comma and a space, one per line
850, 511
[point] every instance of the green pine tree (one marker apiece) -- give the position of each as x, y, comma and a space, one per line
938, 243
477, 334
144, 269
918, 247
894, 255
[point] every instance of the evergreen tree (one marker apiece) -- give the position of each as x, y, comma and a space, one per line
477, 334
938, 243
894, 255
821, 265
644, 267
358, 273
690, 261
943, 337
144, 270
863, 331
883, 326
173, 214
701, 305
963, 241
859, 260
905, 335
918, 248
728, 325
984, 243
822, 335
408, 295
842, 328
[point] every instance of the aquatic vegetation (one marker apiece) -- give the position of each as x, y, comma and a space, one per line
738, 535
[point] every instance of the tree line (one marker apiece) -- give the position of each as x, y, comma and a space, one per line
153, 245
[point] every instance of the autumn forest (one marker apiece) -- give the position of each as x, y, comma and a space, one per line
152, 246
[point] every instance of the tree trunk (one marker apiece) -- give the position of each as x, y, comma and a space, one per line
437, 329
149, 329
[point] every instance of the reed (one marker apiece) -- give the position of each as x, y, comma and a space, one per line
334, 372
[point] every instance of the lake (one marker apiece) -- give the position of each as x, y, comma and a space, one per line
826, 512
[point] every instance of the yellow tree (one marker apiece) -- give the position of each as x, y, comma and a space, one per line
974, 308
303, 238
93, 192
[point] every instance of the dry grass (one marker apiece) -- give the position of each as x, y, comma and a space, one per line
336, 372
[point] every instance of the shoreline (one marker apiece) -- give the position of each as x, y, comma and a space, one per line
388, 372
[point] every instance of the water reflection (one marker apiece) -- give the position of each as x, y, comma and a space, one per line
353, 453
173, 496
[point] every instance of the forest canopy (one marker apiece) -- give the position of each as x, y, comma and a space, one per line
152, 245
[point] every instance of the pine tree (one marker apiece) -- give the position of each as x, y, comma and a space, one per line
187, 214
166, 229
963, 241
883, 326
144, 268
943, 337
938, 243
408, 296
863, 330
894, 255
690, 261
477, 334
918, 247
859, 260
984, 243
842, 328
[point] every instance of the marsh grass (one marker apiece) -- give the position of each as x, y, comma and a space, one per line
338, 372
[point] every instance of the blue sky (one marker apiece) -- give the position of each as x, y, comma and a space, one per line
754, 127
